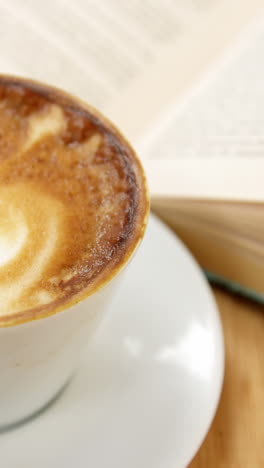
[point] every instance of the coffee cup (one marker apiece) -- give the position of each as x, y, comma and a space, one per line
74, 207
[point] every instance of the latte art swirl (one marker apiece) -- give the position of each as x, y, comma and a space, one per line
13, 233
72, 200
30, 237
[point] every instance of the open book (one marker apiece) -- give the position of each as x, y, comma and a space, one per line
183, 79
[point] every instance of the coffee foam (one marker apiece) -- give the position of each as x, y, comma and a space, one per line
29, 237
68, 200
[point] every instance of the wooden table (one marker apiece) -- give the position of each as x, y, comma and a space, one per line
236, 438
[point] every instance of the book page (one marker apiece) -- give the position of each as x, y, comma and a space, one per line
206, 178
222, 114
180, 65
105, 51
95, 49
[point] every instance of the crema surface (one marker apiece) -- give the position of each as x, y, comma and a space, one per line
71, 199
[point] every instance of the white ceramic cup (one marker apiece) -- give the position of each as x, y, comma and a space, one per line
37, 358
39, 354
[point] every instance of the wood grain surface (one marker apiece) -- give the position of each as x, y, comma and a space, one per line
236, 438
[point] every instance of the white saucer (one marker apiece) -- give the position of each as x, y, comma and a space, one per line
148, 389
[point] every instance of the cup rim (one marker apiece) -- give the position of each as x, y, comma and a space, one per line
66, 99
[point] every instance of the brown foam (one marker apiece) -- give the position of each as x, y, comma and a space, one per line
74, 185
